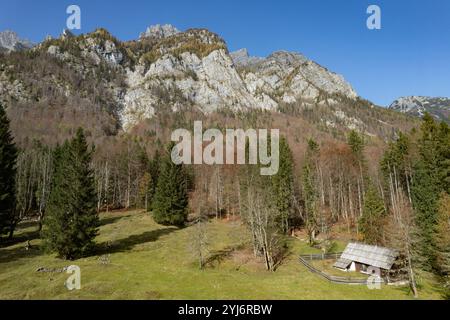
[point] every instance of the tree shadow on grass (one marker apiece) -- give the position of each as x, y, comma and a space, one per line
111, 220
22, 249
19, 238
128, 243
18, 253
219, 256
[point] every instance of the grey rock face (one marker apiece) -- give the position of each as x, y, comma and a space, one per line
14, 88
10, 41
160, 31
288, 76
417, 106
104, 51
242, 58
209, 83
91, 47
236, 80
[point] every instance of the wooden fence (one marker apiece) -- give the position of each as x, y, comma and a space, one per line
341, 280
321, 256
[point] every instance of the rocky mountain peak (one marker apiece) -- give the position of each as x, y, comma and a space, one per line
160, 31
288, 76
417, 106
242, 58
288, 58
241, 53
10, 41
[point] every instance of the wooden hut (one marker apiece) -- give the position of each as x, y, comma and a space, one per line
359, 257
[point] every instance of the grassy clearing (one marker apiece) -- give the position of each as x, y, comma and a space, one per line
138, 259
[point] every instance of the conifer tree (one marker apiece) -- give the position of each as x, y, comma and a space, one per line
371, 221
154, 168
396, 165
8, 157
356, 143
283, 185
310, 194
443, 241
444, 156
146, 186
425, 193
170, 204
426, 189
71, 222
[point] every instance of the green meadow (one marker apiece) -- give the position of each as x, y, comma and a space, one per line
139, 259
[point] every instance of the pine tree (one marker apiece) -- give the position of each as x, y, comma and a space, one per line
170, 203
56, 222
8, 157
283, 185
425, 192
146, 186
426, 188
87, 200
443, 241
356, 142
444, 156
396, 165
154, 167
310, 194
371, 221
71, 222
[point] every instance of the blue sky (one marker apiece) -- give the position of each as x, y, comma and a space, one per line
410, 55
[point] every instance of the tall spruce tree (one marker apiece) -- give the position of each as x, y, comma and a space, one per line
396, 164
444, 156
428, 183
283, 185
310, 193
154, 168
8, 157
371, 221
356, 143
170, 203
443, 242
72, 221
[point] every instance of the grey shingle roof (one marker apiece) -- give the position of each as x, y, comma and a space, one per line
375, 256
342, 263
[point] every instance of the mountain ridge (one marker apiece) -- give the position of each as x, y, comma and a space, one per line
124, 83
417, 106
196, 63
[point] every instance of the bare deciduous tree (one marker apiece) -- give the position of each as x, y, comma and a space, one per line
400, 232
